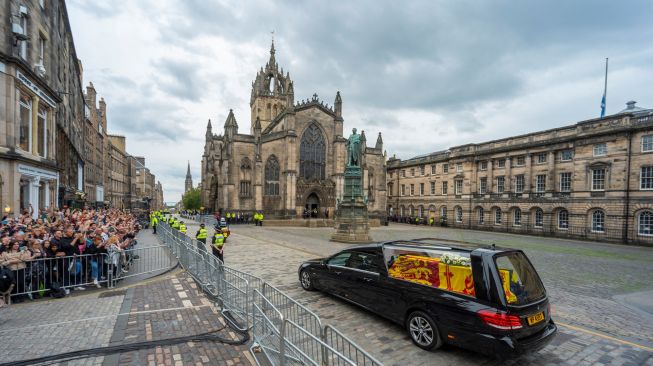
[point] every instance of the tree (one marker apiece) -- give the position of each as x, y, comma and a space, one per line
191, 199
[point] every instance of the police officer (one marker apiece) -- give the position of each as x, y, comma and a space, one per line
182, 227
201, 237
218, 245
155, 222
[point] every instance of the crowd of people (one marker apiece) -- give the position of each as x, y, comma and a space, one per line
62, 250
430, 221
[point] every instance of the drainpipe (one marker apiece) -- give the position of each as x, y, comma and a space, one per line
627, 213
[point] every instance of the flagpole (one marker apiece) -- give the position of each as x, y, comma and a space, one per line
605, 87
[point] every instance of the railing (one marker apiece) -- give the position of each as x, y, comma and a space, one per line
285, 331
89, 270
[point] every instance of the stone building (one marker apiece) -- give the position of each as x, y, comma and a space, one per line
593, 179
117, 179
95, 143
292, 159
157, 198
144, 185
41, 106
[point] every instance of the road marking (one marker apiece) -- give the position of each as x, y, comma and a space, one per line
106, 316
646, 348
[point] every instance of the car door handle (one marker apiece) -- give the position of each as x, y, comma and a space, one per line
367, 279
337, 272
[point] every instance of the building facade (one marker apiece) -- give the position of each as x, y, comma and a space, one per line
94, 146
590, 180
293, 158
42, 108
117, 179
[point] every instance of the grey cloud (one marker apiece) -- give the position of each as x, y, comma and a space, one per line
98, 8
424, 54
178, 78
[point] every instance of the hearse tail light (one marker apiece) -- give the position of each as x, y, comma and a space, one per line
500, 320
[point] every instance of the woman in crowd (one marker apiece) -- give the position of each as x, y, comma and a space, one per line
15, 260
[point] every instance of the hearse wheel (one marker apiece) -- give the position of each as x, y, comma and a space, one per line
423, 331
305, 280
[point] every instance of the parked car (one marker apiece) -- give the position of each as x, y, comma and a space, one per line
486, 299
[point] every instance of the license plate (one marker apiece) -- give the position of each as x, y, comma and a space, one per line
534, 319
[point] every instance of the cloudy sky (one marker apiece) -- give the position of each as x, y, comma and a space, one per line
427, 74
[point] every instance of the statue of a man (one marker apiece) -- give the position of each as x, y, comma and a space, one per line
354, 149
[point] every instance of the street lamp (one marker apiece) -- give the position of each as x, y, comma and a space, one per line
7, 209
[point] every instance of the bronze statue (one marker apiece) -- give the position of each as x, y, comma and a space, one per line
354, 149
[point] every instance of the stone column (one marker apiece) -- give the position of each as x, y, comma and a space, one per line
34, 185
490, 177
528, 175
46, 190
550, 175
509, 176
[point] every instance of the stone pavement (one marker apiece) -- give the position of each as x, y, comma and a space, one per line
595, 329
163, 307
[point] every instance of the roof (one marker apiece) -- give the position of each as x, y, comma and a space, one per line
632, 108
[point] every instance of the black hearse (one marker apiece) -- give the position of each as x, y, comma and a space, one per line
486, 299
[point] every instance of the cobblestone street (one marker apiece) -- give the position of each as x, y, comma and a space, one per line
140, 309
583, 279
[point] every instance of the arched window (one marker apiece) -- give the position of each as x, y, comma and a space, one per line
539, 218
443, 212
421, 211
245, 178
516, 217
563, 219
411, 210
459, 214
598, 221
312, 153
481, 216
645, 223
272, 176
498, 216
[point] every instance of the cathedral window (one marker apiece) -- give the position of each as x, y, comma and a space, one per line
312, 153
245, 178
272, 176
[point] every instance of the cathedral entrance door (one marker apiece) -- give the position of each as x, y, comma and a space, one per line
312, 206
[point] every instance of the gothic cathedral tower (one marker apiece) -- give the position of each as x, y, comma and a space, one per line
271, 93
189, 180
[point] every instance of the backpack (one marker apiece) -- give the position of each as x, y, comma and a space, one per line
6, 279
56, 291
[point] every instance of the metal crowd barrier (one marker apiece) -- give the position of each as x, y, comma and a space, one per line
285, 331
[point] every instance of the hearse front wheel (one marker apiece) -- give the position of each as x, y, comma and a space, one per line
423, 331
305, 280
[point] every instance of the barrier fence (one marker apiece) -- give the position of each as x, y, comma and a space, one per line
42, 276
285, 331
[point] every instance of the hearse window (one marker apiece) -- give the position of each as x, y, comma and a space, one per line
520, 283
448, 270
363, 261
339, 259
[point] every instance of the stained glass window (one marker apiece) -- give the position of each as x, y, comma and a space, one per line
272, 176
312, 153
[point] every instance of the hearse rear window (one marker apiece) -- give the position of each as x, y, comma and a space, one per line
443, 269
521, 284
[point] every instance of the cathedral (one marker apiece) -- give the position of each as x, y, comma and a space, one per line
292, 162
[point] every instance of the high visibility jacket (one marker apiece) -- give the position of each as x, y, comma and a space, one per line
218, 240
182, 228
155, 221
260, 217
201, 233
175, 224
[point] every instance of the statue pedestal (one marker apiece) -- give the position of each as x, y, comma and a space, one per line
351, 222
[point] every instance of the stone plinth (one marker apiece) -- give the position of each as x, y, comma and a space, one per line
351, 223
